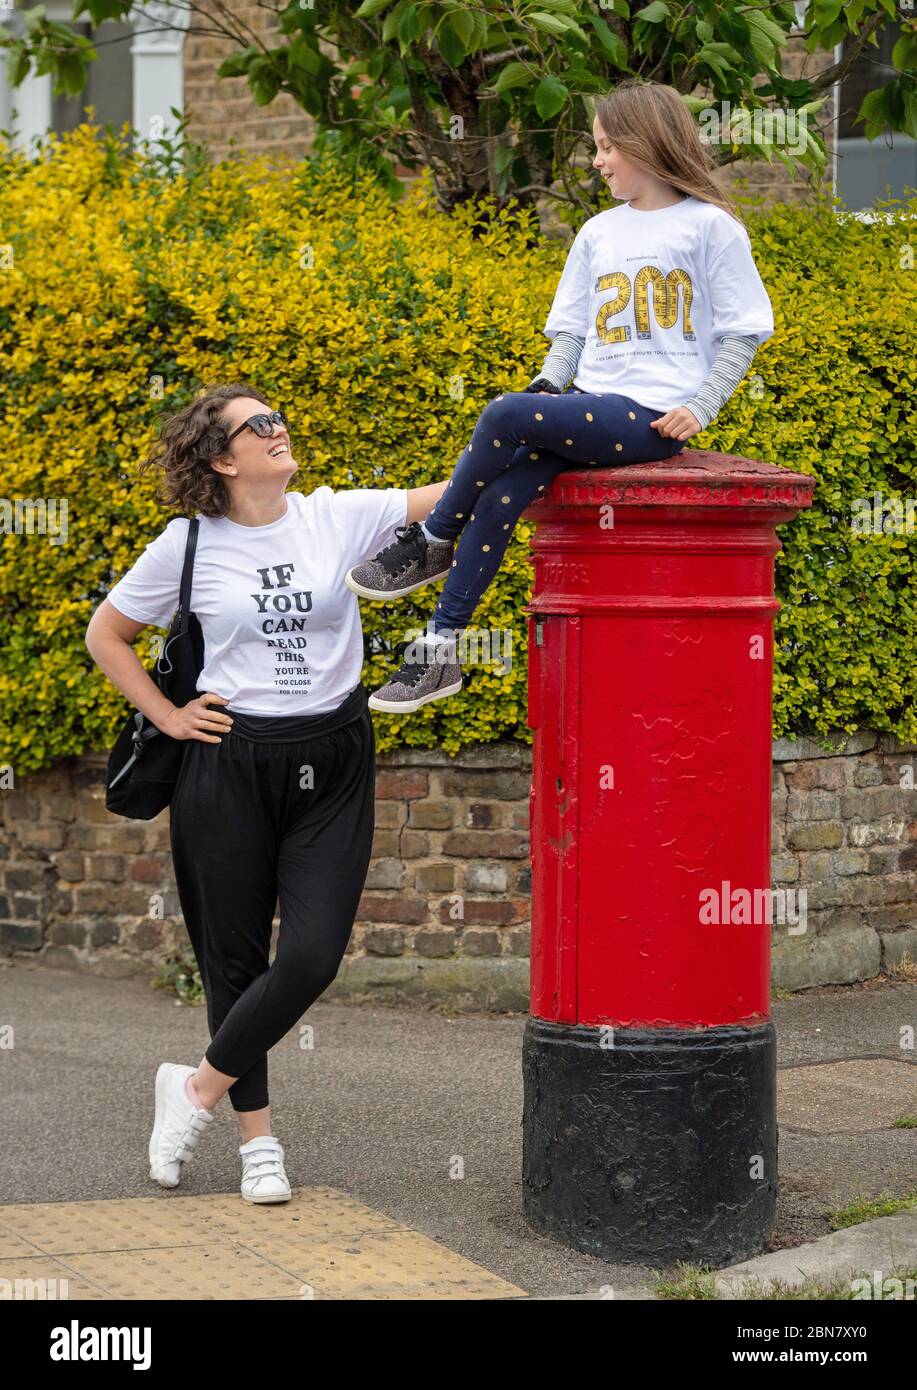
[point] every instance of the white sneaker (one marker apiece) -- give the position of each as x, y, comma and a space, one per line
178, 1124
263, 1176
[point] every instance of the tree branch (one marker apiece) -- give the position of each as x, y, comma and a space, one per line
839, 70
222, 11
551, 192
488, 59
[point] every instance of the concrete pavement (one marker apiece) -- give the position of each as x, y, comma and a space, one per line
401, 1122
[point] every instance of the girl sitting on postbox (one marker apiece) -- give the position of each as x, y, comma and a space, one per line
655, 321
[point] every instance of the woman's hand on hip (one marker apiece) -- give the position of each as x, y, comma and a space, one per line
677, 424
195, 720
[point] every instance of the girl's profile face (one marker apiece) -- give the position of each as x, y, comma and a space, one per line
625, 180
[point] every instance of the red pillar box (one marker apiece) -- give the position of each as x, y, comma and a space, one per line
649, 1059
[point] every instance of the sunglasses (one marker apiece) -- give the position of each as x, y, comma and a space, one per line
263, 425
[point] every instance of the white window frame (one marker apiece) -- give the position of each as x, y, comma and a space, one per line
158, 81
835, 125
158, 68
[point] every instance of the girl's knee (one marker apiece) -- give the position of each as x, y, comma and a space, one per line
506, 411
497, 509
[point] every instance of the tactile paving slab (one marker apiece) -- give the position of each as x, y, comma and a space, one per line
320, 1244
852, 1095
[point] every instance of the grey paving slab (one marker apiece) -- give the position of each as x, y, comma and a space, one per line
872, 1248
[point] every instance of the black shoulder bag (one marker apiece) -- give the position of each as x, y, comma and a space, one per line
144, 764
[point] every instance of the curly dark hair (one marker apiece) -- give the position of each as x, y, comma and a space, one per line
188, 441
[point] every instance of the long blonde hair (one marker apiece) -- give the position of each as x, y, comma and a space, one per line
650, 124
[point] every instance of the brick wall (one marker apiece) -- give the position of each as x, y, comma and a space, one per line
845, 828
220, 109
446, 905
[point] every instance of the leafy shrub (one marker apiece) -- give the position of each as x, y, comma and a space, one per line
385, 329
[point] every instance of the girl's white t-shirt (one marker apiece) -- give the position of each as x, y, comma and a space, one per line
652, 293
282, 631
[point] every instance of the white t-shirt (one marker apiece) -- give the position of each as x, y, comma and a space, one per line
652, 292
282, 632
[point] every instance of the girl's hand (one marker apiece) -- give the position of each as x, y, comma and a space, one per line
677, 424
195, 720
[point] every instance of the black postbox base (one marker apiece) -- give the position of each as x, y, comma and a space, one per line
657, 1144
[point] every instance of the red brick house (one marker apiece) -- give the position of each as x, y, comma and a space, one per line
145, 68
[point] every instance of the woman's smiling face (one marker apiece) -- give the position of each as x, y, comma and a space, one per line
250, 456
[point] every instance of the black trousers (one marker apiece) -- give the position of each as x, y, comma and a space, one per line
281, 808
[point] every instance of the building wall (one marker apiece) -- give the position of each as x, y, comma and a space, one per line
222, 110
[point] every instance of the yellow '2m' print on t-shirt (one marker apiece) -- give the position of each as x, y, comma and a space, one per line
665, 302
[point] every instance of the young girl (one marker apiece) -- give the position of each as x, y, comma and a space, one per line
657, 316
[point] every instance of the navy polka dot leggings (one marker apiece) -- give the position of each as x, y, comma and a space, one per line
521, 441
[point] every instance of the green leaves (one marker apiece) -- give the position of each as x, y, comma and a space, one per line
263, 79
19, 63
409, 25
550, 96
399, 99
392, 21
53, 49
503, 158
548, 23
451, 46
457, 33
304, 54
904, 53
237, 64
826, 11
462, 22
72, 70
557, 25
512, 76
654, 13
613, 47
766, 38
99, 10
894, 105
721, 58
369, 8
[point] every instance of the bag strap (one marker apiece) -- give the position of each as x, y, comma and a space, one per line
184, 596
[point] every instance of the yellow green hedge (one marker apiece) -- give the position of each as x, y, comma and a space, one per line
385, 329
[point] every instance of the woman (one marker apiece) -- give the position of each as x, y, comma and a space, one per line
276, 789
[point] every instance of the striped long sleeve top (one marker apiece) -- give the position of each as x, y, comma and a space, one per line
733, 358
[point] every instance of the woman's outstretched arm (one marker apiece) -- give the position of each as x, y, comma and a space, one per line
422, 500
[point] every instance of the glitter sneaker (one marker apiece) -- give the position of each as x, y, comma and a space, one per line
407, 564
430, 671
